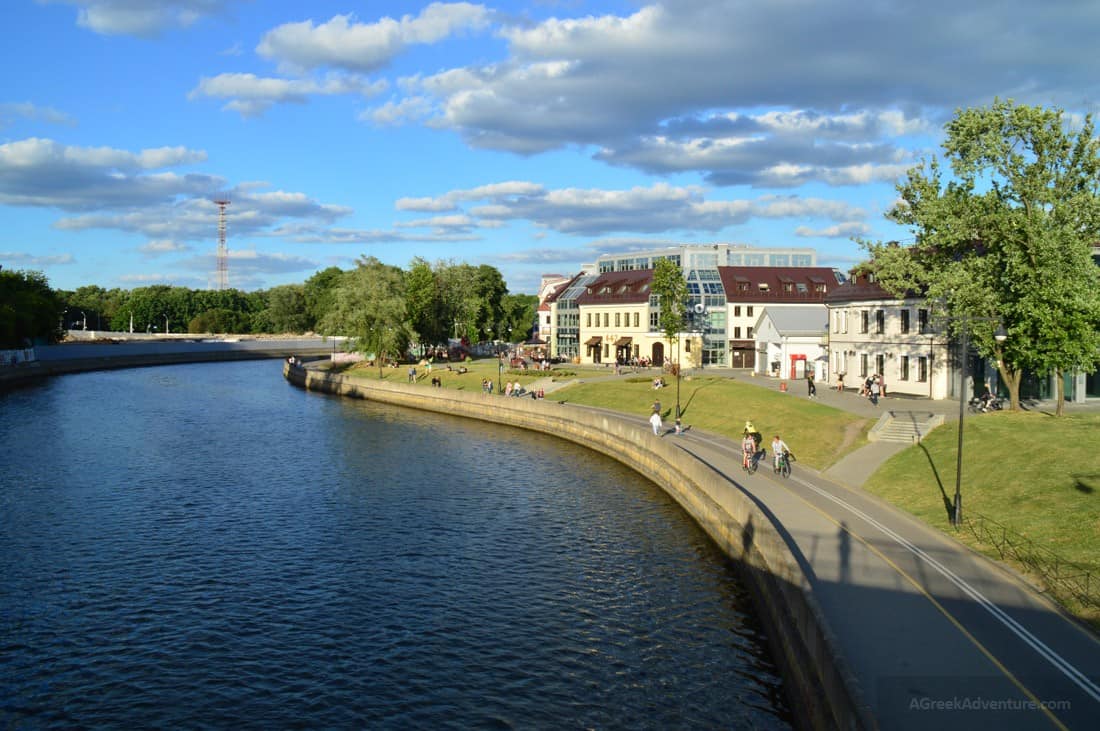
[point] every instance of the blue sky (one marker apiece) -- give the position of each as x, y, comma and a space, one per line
530, 136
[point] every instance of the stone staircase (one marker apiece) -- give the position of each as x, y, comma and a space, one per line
906, 427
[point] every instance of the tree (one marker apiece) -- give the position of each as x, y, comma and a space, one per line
318, 293
424, 304
286, 309
369, 304
1007, 239
520, 311
29, 309
672, 297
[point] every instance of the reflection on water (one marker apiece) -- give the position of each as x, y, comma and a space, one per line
204, 545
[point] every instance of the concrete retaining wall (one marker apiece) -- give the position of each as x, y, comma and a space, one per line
824, 695
50, 360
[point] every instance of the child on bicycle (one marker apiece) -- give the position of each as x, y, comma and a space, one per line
748, 449
779, 450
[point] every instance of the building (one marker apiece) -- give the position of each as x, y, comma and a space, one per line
747, 291
617, 315
791, 341
708, 256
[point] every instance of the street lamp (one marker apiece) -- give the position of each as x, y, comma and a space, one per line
165, 323
500, 373
1000, 336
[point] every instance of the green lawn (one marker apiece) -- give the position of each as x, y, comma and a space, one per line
1037, 475
818, 435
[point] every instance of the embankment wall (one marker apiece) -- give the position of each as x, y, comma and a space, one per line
824, 694
54, 360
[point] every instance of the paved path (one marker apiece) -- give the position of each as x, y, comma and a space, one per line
937, 636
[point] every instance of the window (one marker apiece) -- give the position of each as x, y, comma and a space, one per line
844, 321
903, 366
737, 310
922, 321
687, 347
618, 319
748, 333
636, 319
880, 322
864, 318
588, 320
654, 320
737, 333
880, 364
607, 319
863, 365
904, 321
922, 369
789, 286
748, 311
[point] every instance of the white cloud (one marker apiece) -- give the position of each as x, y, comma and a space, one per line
158, 247
363, 47
252, 95
22, 259
143, 18
9, 112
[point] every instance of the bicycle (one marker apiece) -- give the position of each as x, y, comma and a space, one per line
754, 461
785, 460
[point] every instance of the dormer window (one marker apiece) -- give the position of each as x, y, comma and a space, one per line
763, 286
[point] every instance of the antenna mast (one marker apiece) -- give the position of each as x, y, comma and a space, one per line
223, 252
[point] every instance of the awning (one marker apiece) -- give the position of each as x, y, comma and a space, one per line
622, 342
594, 340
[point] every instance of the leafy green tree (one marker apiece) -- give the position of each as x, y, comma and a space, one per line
519, 314
672, 297
220, 320
1007, 238
29, 309
424, 304
286, 309
318, 292
369, 305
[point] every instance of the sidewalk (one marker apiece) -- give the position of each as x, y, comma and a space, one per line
934, 634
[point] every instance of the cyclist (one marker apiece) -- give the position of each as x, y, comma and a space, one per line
779, 450
748, 449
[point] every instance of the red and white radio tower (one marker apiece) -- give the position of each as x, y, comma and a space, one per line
223, 252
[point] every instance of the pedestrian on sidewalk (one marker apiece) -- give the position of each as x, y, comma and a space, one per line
811, 388
873, 391
655, 422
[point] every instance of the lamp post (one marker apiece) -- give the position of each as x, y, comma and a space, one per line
964, 356
500, 373
165, 323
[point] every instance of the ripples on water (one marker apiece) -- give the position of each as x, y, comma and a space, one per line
206, 546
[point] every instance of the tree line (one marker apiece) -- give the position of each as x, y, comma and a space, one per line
379, 304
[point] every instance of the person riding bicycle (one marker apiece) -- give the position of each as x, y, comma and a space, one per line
748, 449
779, 450
750, 443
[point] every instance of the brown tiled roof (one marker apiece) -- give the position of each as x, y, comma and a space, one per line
629, 287
743, 284
861, 287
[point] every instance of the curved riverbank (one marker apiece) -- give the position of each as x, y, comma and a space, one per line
821, 686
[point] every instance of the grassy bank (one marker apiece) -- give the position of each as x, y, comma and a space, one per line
818, 435
1036, 476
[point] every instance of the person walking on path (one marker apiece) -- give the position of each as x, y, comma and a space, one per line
873, 391
655, 421
811, 387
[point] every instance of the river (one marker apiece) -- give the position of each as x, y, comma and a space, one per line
206, 546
